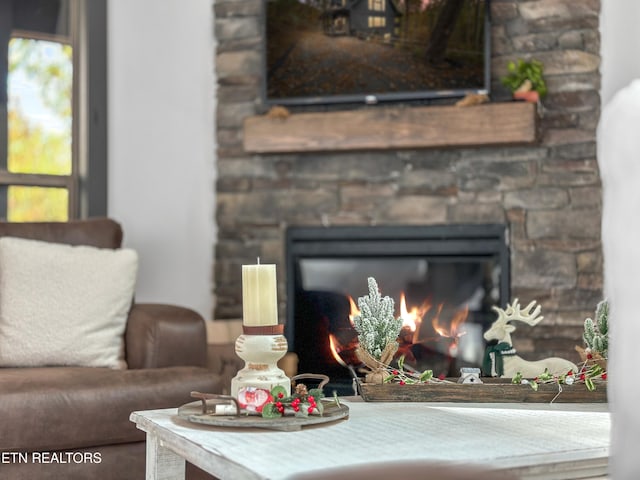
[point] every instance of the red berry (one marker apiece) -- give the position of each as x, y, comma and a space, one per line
310, 398
278, 404
310, 409
570, 372
395, 372
582, 376
402, 382
296, 408
604, 376
280, 395
589, 356
442, 376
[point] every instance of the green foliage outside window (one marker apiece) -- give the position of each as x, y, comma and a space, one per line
37, 204
37, 146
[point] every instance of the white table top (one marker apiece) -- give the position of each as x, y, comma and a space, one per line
505, 436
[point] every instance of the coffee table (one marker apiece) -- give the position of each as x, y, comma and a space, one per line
531, 440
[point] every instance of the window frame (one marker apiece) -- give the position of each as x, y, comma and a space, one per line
87, 183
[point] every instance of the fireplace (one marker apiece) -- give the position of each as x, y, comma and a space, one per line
385, 165
444, 280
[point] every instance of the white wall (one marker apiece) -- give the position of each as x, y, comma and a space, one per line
619, 45
618, 150
162, 144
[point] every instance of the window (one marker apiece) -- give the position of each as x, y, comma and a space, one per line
376, 22
376, 5
52, 109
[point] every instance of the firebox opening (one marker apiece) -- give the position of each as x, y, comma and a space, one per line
443, 280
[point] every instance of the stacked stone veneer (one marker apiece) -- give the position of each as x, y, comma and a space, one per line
548, 193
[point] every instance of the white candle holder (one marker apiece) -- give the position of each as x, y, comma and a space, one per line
260, 348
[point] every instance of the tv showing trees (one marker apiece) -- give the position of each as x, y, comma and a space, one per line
337, 51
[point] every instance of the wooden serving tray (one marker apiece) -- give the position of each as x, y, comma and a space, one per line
491, 391
193, 413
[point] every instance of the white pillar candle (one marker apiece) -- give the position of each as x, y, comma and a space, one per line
259, 295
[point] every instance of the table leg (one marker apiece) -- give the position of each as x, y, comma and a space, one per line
162, 463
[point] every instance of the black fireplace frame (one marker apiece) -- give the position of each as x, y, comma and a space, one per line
454, 240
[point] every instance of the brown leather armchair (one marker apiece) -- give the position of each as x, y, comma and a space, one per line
73, 422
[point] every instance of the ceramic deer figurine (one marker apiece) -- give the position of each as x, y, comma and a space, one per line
501, 360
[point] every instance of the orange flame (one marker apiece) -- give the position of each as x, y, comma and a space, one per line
409, 319
411, 323
354, 311
412, 318
453, 331
458, 319
435, 323
334, 352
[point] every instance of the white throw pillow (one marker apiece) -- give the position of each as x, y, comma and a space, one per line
64, 305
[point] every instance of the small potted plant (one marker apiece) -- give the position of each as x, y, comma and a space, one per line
525, 80
378, 330
596, 337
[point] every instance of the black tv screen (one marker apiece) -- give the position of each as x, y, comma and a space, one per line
352, 51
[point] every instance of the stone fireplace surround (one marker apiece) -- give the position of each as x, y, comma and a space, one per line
547, 192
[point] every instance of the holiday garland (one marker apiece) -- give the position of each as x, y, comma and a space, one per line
302, 403
588, 375
378, 331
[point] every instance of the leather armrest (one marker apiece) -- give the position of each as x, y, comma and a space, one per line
165, 336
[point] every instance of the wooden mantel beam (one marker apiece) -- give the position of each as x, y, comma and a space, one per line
384, 128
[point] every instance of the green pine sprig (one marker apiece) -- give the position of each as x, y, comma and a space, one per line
376, 324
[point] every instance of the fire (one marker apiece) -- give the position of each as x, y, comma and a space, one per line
354, 311
412, 318
435, 323
334, 352
453, 331
458, 319
409, 318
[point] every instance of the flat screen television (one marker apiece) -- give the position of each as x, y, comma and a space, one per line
370, 51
